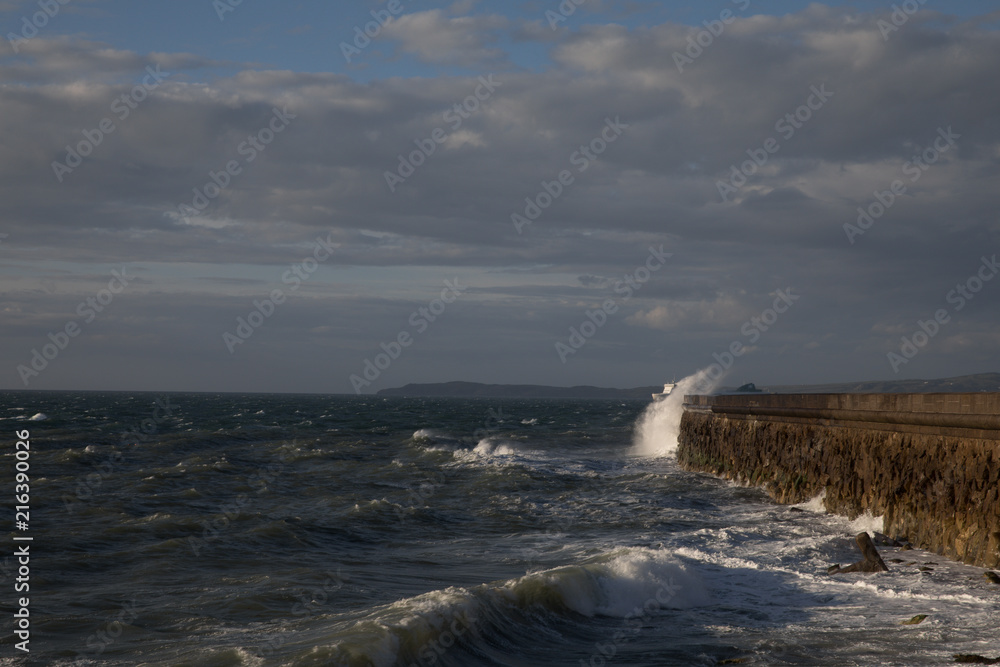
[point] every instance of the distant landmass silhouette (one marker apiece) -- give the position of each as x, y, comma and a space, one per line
965, 383
479, 390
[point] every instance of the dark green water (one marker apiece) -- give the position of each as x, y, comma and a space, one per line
331, 530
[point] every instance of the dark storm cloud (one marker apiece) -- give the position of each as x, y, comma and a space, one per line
847, 109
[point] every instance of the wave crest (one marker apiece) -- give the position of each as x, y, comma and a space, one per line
624, 584
658, 427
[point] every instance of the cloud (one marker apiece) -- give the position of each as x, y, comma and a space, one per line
685, 135
724, 312
65, 59
436, 38
324, 176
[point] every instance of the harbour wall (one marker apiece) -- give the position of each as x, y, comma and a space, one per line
928, 463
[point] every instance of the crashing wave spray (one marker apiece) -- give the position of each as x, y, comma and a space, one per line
658, 427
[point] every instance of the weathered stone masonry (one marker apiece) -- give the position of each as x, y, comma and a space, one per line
929, 462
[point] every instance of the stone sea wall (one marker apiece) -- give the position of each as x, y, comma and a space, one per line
930, 463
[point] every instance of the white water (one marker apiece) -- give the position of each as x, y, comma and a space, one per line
770, 572
658, 427
865, 523
625, 583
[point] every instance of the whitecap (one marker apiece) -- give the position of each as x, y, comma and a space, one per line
429, 434
488, 447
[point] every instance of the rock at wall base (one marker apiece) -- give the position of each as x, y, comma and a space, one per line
871, 562
971, 659
886, 541
916, 620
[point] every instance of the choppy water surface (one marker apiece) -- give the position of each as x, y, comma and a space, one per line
328, 530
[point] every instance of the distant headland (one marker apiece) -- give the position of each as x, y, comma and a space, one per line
479, 390
966, 383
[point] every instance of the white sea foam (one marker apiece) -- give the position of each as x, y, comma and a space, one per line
658, 427
865, 523
815, 504
435, 440
868, 523
491, 447
38, 417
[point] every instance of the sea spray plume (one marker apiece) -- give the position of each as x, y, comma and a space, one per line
659, 425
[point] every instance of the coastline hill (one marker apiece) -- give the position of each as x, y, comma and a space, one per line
966, 383
479, 390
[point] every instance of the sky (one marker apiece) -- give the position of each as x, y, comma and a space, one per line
343, 197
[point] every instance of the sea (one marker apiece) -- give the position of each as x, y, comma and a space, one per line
254, 529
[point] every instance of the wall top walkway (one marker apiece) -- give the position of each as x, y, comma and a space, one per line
969, 404
978, 414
